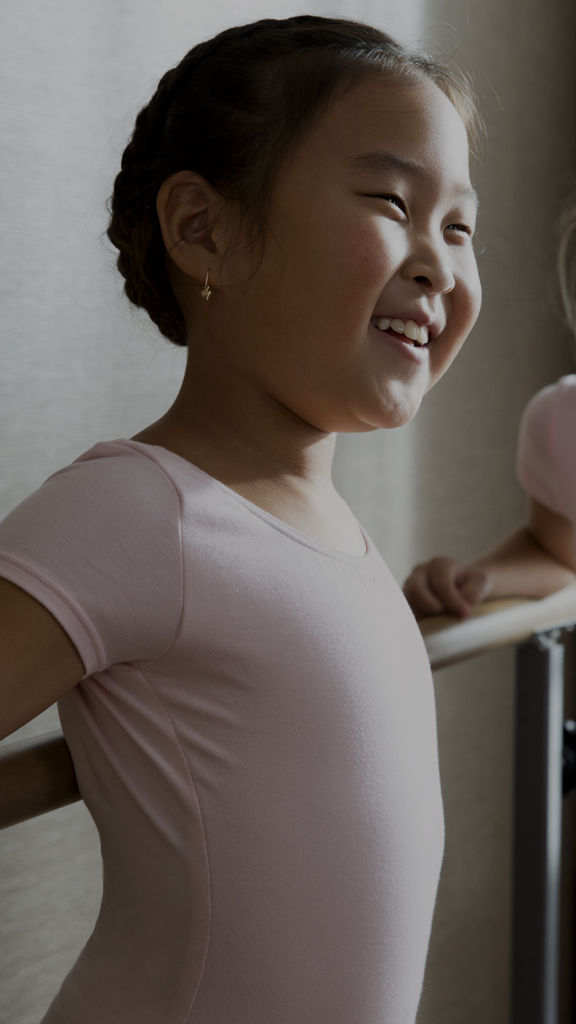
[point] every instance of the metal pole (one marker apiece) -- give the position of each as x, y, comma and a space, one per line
537, 829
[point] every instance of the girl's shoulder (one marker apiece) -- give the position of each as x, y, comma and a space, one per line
117, 459
122, 472
552, 411
99, 545
545, 454
563, 390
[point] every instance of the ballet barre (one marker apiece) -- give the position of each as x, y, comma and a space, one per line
37, 775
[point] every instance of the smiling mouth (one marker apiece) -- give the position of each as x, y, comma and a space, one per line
405, 330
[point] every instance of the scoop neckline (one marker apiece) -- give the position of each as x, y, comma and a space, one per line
280, 525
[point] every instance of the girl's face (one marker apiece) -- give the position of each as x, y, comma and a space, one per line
371, 222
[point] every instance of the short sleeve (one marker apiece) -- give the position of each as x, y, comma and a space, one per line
545, 463
99, 545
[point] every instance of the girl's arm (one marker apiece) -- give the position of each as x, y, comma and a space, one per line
39, 662
534, 561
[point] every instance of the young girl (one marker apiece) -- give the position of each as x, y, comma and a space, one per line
540, 557
243, 688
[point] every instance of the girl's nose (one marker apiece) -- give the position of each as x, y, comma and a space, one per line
431, 267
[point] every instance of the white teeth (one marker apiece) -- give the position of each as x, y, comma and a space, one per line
400, 326
411, 329
414, 331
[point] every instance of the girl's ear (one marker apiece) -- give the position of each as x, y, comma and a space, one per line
191, 214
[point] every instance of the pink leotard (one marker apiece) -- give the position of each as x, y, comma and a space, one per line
546, 462
255, 738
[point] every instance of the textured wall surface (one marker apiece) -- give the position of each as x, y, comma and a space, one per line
78, 367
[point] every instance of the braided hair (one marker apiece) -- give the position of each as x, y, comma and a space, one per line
231, 110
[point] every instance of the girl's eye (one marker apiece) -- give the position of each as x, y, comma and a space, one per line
461, 229
389, 197
395, 200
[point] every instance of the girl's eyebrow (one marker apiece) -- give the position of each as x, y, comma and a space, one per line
378, 162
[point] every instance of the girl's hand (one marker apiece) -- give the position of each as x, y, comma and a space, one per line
442, 586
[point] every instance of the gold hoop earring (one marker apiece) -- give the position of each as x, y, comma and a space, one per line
206, 291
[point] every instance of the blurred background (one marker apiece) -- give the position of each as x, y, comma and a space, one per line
78, 366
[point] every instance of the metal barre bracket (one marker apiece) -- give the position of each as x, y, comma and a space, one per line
538, 825
569, 758
546, 638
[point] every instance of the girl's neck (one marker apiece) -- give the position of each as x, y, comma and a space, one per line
263, 452
244, 439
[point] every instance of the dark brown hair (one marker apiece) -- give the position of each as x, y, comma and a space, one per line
232, 110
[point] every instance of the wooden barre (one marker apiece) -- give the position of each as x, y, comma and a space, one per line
495, 624
37, 775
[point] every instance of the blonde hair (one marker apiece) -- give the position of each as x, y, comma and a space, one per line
567, 265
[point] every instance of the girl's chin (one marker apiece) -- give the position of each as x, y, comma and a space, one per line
384, 419
403, 408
